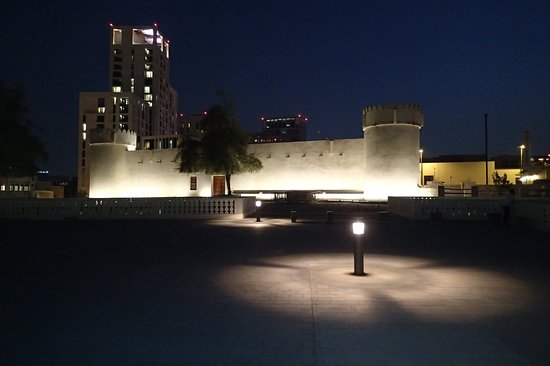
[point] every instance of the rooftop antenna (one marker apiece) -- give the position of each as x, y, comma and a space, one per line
486, 156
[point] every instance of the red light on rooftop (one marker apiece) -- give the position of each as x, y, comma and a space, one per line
155, 24
110, 24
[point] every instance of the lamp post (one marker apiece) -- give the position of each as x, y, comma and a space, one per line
258, 205
358, 228
421, 151
521, 148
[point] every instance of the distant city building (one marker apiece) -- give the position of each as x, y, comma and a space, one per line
282, 129
543, 160
190, 125
140, 98
32, 187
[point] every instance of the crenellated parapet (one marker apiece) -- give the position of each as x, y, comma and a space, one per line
380, 114
117, 137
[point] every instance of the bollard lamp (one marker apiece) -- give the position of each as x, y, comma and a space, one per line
358, 228
258, 205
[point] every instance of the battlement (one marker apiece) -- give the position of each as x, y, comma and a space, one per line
378, 107
380, 114
117, 137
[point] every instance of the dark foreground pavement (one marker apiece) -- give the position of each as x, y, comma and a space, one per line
272, 293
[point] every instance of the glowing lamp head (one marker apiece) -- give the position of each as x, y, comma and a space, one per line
358, 228
258, 203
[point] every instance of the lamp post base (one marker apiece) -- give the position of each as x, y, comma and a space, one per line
358, 264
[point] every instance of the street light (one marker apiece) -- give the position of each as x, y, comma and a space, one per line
421, 151
358, 228
521, 147
258, 205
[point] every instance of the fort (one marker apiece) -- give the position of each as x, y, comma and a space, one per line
382, 163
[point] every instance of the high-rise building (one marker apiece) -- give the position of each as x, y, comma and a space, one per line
139, 64
139, 99
282, 129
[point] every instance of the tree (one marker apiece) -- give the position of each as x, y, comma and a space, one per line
222, 148
20, 149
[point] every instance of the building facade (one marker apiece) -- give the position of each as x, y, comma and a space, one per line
140, 97
107, 111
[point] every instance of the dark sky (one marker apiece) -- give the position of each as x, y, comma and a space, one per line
324, 59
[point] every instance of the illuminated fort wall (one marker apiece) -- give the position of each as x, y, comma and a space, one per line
385, 162
324, 165
117, 170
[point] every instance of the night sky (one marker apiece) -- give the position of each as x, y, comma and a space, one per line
326, 60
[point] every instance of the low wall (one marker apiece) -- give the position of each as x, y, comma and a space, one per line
128, 208
532, 212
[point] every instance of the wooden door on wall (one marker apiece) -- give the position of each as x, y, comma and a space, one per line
218, 185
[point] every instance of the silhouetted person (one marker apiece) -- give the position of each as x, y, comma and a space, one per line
507, 206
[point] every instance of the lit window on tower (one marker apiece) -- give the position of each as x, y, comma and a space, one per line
142, 36
117, 36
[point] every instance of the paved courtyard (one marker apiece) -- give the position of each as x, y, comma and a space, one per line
273, 292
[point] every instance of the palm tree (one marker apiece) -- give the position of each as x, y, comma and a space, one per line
222, 148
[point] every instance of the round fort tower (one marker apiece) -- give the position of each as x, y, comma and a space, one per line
392, 142
108, 161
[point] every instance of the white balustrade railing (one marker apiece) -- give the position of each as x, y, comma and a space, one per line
127, 208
